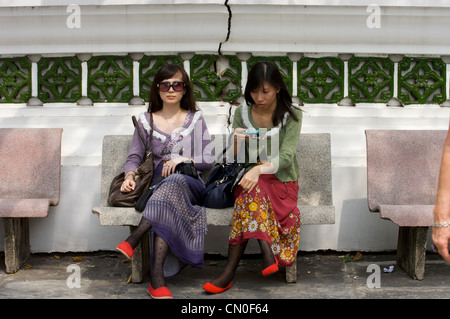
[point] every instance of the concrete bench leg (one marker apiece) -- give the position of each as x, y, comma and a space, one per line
291, 272
411, 250
140, 262
17, 243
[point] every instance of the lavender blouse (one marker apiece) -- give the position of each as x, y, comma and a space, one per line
192, 140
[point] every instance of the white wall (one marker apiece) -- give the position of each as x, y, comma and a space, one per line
260, 27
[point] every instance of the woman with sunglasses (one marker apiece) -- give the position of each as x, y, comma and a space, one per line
176, 223
265, 208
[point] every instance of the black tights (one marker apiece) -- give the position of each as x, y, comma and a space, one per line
135, 238
160, 250
235, 253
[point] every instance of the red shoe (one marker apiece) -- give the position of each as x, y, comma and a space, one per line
126, 250
271, 269
209, 287
159, 293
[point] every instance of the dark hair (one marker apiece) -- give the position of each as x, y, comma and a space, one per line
264, 71
166, 72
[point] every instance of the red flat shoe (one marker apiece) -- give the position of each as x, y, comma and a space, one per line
126, 250
271, 269
159, 293
209, 287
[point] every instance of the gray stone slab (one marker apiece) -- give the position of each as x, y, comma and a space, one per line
30, 163
403, 166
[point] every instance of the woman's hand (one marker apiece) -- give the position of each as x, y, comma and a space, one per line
250, 179
238, 134
128, 184
441, 240
170, 165
238, 139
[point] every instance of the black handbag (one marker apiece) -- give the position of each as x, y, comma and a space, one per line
143, 199
187, 168
222, 180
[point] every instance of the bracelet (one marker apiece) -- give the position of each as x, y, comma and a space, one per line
130, 173
444, 224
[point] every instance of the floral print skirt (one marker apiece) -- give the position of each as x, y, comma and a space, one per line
269, 212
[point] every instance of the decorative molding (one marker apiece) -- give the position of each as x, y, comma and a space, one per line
262, 27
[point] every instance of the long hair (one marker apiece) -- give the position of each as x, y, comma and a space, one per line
166, 72
264, 71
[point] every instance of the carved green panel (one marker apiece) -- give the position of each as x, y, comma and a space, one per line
370, 79
232, 74
320, 80
285, 65
110, 78
213, 82
148, 66
59, 79
15, 80
421, 80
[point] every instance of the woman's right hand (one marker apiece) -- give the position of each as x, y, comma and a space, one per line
127, 186
239, 138
238, 134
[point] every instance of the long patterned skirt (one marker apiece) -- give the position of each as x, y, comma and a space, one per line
175, 217
269, 212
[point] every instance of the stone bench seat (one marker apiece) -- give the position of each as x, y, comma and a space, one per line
24, 207
30, 171
402, 179
315, 194
408, 215
127, 216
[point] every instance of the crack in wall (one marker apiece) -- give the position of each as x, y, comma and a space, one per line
230, 14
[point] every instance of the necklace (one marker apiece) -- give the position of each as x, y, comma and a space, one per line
175, 116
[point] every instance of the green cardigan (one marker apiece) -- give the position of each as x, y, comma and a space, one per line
288, 135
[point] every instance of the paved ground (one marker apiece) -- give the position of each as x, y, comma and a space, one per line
325, 276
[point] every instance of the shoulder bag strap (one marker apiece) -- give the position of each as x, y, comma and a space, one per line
136, 125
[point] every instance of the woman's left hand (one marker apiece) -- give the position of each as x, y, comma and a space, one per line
250, 179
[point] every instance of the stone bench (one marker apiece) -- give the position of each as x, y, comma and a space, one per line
402, 178
315, 194
30, 171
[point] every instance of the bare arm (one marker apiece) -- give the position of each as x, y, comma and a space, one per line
441, 235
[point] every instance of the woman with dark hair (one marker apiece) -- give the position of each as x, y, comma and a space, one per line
267, 131
176, 223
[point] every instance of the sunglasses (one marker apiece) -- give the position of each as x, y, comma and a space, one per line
176, 86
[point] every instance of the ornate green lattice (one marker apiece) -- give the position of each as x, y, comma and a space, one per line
371, 80
212, 84
59, 79
233, 75
421, 80
284, 65
218, 78
320, 80
110, 78
148, 66
15, 80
